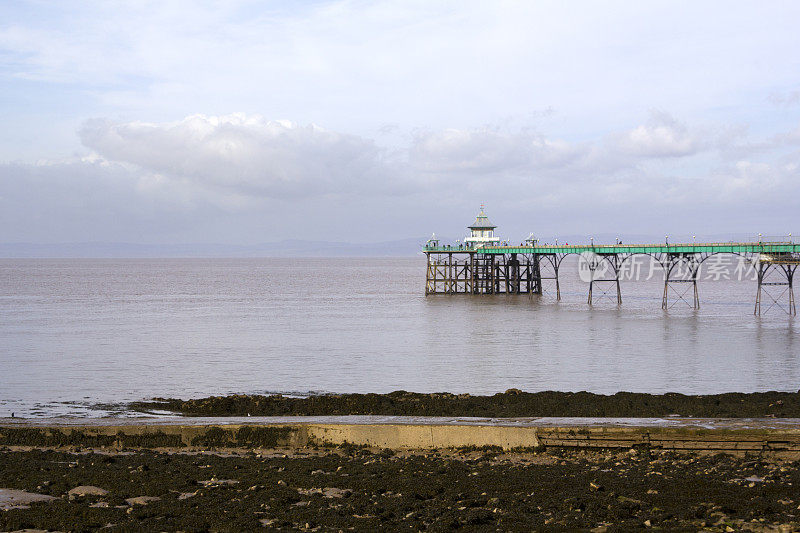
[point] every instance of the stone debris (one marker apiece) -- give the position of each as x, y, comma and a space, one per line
34, 531
86, 490
214, 482
20, 499
417, 491
327, 492
142, 500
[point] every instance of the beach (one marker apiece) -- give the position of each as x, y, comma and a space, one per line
350, 488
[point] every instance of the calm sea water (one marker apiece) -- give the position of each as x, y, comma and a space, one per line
75, 333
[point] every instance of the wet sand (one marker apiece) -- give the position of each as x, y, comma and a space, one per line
512, 403
351, 488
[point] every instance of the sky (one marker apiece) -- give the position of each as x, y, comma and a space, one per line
243, 122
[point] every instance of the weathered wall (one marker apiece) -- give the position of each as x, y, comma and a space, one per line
783, 442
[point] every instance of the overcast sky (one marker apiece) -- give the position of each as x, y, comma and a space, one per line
245, 122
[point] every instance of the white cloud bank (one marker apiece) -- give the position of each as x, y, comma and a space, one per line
244, 154
250, 159
163, 178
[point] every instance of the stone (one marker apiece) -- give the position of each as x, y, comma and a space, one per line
86, 490
20, 499
214, 482
333, 492
142, 500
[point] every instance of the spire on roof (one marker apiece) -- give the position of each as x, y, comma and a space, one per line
482, 221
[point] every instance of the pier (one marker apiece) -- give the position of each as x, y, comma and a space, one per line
484, 265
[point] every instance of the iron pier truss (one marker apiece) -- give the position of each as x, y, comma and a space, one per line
464, 269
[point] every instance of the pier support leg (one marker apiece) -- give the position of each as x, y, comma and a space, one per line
681, 268
430, 285
449, 282
613, 261
536, 275
784, 278
558, 287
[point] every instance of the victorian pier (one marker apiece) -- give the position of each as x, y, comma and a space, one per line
482, 264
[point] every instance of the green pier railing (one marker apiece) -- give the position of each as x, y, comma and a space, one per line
678, 248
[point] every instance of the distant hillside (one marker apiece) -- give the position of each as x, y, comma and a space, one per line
287, 248
298, 248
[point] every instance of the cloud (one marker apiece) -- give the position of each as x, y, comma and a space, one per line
662, 136
244, 179
785, 99
237, 161
246, 155
485, 151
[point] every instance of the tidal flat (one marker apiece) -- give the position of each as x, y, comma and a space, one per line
358, 489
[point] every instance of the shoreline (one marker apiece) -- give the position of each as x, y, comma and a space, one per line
510, 404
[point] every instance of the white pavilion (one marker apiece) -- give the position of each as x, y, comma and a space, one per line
481, 232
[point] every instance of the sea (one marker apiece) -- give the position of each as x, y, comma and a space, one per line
83, 337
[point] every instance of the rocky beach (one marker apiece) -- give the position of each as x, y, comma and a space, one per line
359, 489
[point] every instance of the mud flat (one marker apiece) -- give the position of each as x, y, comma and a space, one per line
512, 403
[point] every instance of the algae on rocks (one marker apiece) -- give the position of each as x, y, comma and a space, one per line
512, 403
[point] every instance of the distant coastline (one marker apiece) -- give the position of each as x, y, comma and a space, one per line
287, 248
408, 247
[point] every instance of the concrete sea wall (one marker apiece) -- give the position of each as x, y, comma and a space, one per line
756, 438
